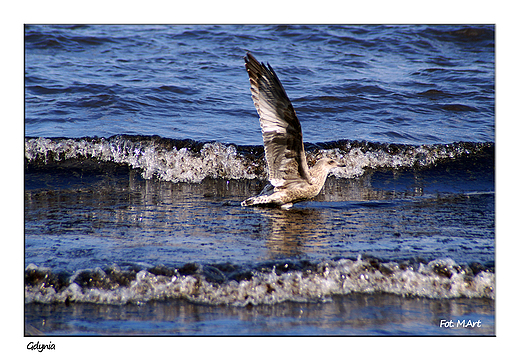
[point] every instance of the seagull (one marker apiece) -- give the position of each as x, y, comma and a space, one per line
290, 178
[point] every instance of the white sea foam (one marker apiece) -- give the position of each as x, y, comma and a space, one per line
357, 159
154, 160
162, 159
441, 278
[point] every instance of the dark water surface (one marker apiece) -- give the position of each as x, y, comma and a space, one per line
397, 84
355, 314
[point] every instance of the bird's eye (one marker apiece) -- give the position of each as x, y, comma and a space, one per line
331, 162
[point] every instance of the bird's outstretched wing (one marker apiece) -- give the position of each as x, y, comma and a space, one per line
281, 128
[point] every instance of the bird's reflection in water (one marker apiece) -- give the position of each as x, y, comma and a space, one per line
290, 232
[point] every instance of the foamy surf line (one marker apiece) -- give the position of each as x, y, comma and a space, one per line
274, 283
192, 161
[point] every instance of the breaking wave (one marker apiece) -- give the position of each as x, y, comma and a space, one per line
192, 161
267, 283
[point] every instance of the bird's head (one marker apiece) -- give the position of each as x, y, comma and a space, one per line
321, 169
323, 166
327, 163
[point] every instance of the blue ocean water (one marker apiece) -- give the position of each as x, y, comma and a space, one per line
141, 141
398, 84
